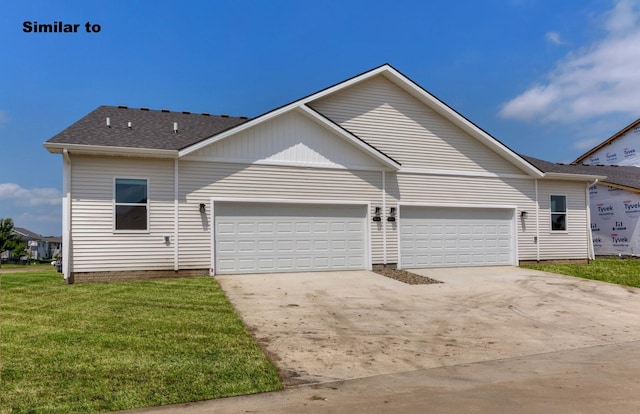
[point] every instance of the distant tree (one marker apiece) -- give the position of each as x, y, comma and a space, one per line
9, 240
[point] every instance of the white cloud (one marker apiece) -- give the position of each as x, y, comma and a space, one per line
30, 197
599, 80
554, 37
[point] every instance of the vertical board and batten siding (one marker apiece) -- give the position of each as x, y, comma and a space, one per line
461, 191
201, 181
291, 138
95, 245
390, 119
574, 242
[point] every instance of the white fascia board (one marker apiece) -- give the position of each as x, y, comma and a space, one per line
57, 148
622, 187
460, 121
573, 177
367, 149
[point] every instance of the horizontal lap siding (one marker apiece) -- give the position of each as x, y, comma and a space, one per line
289, 138
563, 245
404, 128
95, 246
200, 181
435, 189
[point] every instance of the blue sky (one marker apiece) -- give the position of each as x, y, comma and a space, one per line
549, 79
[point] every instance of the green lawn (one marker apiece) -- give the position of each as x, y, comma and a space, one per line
106, 347
620, 271
27, 268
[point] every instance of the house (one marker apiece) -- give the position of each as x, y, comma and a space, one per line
615, 202
622, 148
39, 247
371, 171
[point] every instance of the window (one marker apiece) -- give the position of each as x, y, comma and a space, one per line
131, 204
558, 213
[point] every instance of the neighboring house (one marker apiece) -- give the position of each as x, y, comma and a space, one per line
615, 203
39, 247
371, 171
623, 148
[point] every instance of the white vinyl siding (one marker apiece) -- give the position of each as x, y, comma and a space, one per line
290, 139
95, 245
399, 125
281, 237
202, 181
572, 243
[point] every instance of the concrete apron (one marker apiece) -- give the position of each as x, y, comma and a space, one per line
332, 326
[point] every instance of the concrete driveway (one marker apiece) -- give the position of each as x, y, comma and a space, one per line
321, 327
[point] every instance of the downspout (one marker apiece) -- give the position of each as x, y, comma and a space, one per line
537, 223
591, 254
176, 217
384, 223
66, 216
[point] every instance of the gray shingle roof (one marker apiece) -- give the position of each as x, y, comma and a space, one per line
150, 129
625, 176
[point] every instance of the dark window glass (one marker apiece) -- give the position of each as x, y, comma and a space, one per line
132, 191
131, 217
131, 204
559, 212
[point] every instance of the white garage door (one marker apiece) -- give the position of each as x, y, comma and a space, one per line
268, 237
450, 237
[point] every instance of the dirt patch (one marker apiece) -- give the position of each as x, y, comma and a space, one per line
405, 277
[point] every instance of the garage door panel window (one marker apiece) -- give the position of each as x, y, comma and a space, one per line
559, 213
131, 204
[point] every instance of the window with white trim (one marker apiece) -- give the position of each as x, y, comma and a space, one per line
558, 213
131, 207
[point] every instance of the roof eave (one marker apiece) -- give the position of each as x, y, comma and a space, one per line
620, 186
573, 177
58, 148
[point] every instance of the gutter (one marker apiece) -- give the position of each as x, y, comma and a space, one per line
66, 216
573, 177
590, 250
56, 148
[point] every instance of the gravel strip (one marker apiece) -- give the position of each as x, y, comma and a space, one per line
406, 277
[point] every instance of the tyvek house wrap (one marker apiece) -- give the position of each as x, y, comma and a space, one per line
615, 220
625, 150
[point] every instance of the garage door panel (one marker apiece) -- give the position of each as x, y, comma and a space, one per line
252, 238
436, 237
246, 228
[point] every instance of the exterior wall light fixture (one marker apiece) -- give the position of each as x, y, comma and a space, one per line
377, 214
392, 214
